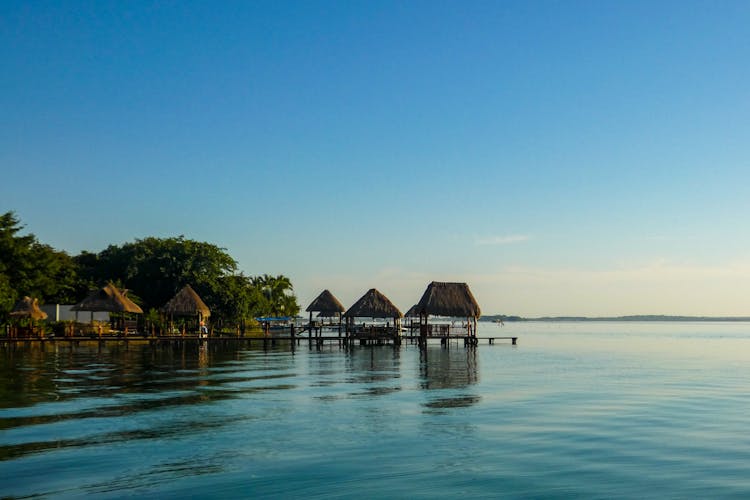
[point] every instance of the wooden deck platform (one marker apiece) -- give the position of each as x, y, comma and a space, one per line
273, 339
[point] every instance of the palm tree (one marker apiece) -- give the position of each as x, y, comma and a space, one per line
279, 292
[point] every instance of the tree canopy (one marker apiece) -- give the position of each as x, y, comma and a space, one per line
28, 267
156, 268
153, 268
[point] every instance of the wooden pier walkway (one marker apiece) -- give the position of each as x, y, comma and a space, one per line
342, 341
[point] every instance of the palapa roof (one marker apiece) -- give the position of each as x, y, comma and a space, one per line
448, 299
186, 303
373, 304
28, 308
412, 312
326, 304
108, 299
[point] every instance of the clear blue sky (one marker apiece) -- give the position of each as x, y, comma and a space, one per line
561, 157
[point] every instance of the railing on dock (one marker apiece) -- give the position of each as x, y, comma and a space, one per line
363, 335
373, 331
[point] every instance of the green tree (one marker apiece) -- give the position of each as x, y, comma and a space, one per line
87, 267
235, 301
278, 293
156, 268
28, 267
7, 296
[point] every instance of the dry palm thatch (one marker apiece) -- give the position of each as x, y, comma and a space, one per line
326, 305
412, 312
373, 304
448, 299
28, 308
108, 299
186, 303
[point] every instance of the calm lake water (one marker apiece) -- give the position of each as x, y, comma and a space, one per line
613, 410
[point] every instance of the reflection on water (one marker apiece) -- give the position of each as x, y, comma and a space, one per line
448, 368
66, 393
373, 364
568, 412
442, 368
375, 369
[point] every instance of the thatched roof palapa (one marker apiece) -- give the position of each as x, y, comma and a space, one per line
28, 308
108, 299
412, 312
186, 303
326, 305
373, 304
449, 299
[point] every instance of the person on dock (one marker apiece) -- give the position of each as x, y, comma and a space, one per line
204, 330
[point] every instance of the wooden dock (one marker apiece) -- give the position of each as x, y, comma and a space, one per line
296, 340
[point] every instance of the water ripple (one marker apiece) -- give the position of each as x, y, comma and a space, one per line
567, 413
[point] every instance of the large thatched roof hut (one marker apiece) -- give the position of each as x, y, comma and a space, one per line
448, 299
373, 304
326, 304
28, 308
109, 299
186, 303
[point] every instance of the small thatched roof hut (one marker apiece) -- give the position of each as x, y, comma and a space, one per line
448, 299
412, 312
108, 299
326, 304
28, 308
187, 303
373, 304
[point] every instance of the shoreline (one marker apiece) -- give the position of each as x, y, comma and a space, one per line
633, 318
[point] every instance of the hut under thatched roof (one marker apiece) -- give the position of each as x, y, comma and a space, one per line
108, 299
412, 312
186, 303
326, 304
373, 304
28, 308
448, 299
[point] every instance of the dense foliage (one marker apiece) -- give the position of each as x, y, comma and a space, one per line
153, 268
28, 267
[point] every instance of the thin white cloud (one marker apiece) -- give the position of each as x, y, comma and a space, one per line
501, 240
657, 287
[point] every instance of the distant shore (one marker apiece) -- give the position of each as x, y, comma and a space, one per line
643, 317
